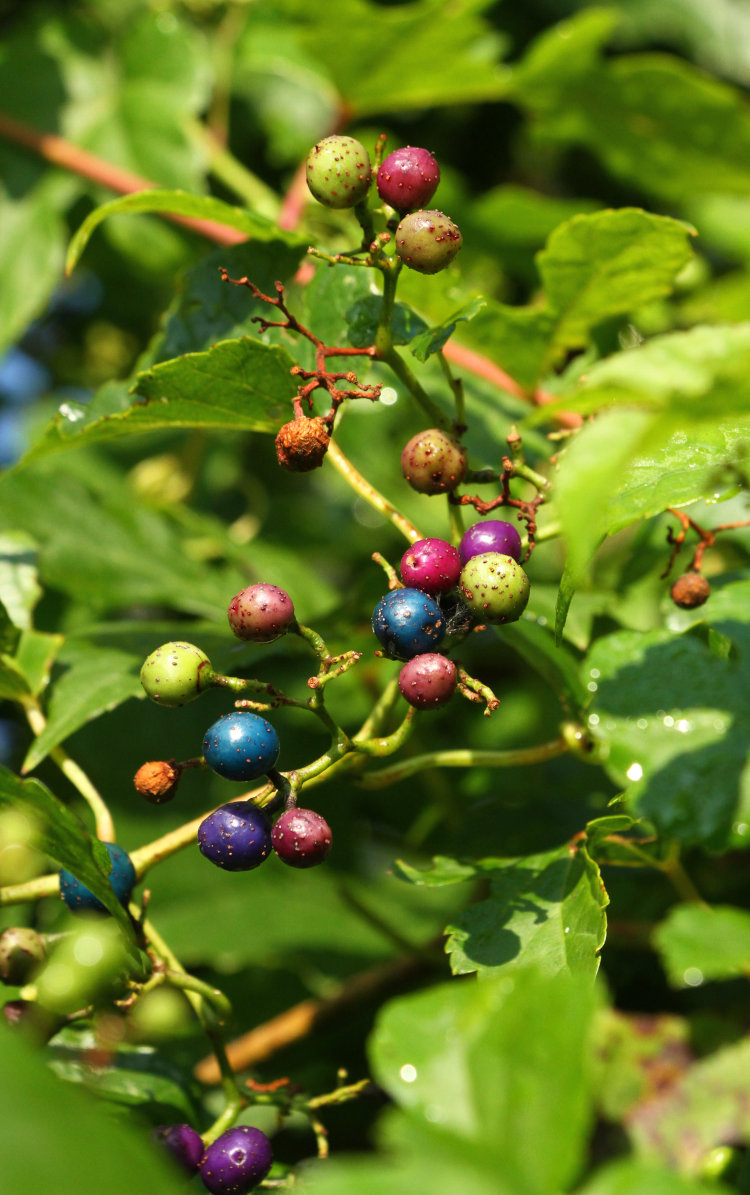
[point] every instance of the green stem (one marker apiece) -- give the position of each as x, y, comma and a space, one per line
379, 712
383, 335
414, 386
20, 894
387, 744
372, 496
191, 983
457, 387
463, 758
105, 829
456, 520
539, 482
340, 1095
310, 636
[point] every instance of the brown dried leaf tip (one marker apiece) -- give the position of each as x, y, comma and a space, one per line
157, 780
302, 444
690, 590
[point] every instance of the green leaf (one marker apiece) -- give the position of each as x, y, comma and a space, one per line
434, 339
704, 942
96, 680
516, 339
363, 319
137, 1076
632, 1053
705, 1107
35, 654
411, 68
634, 1177
443, 870
672, 716
535, 643
497, 1063
82, 1142
543, 909
33, 223
19, 585
605, 264
63, 837
179, 203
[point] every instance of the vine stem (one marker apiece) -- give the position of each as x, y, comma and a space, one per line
367, 491
105, 829
463, 758
405, 375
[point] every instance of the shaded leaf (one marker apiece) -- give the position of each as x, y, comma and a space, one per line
433, 339
711, 941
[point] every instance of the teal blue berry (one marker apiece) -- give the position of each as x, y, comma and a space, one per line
241, 746
122, 878
408, 622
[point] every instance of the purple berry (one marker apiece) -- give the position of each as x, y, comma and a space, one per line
122, 878
432, 565
301, 838
428, 681
339, 171
237, 1161
493, 535
432, 462
236, 836
408, 622
182, 1142
241, 746
261, 613
408, 178
495, 587
427, 241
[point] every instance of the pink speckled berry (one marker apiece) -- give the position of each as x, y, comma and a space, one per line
427, 241
301, 838
432, 565
495, 587
428, 681
261, 613
432, 462
408, 178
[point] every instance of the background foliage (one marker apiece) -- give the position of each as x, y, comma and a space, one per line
596, 161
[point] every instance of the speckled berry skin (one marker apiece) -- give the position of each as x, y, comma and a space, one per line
338, 171
176, 673
301, 838
261, 613
492, 535
22, 949
433, 462
690, 590
494, 587
408, 622
241, 746
408, 178
427, 241
236, 837
432, 565
122, 878
182, 1142
236, 1161
428, 681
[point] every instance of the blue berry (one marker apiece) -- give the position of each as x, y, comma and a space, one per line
122, 878
236, 837
408, 622
236, 1161
182, 1142
241, 746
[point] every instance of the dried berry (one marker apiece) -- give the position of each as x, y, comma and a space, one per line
690, 590
157, 780
302, 444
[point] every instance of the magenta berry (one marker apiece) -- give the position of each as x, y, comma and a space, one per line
408, 178
492, 535
428, 681
495, 587
432, 565
301, 838
236, 836
261, 613
427, 241
236, 1161
182, 1142
339, 171
433, 462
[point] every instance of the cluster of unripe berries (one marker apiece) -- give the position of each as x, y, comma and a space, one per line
235, 1162
239, 746
410, 623
339, 175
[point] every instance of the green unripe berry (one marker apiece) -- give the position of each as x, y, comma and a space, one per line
339, 171
176, 673
427, 241
495, 587
21, 951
